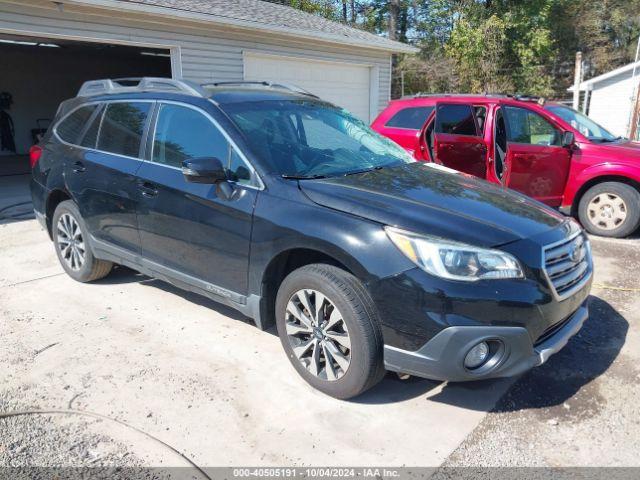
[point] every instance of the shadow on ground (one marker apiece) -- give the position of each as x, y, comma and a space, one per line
587, 356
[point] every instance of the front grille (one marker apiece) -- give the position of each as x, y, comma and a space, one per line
568, 264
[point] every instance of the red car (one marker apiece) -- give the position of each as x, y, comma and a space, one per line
543, 149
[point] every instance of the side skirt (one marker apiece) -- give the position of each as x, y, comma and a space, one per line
247, 305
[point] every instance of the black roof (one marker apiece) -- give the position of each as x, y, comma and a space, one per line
226, 94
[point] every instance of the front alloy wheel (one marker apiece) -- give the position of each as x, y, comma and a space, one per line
318, 334
328, 326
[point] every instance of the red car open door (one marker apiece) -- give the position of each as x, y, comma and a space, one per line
457, 140
536, 162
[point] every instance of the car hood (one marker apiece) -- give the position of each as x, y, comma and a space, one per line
426, 199
625, 149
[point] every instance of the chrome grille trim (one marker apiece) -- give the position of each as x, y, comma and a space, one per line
565, 274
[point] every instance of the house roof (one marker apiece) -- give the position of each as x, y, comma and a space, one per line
588, 84
262, 16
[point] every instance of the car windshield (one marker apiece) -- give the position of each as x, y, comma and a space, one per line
583, 124
312, 139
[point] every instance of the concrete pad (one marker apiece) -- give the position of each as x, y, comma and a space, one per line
198, 376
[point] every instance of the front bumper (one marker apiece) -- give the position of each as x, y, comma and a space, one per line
442, 357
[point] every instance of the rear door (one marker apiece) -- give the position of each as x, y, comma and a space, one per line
101, 172
195, 232
405, 126
536, 163
457, 139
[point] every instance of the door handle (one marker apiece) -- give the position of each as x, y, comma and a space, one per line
78, 167
148, 189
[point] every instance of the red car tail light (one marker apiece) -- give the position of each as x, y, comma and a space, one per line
35, 153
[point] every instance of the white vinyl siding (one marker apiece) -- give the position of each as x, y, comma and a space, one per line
203, 53
610, 103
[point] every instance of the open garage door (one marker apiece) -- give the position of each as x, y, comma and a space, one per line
39, 72
343, 84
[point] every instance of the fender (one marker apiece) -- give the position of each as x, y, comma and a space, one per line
609, 169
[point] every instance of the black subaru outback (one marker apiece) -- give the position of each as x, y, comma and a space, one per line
269, 200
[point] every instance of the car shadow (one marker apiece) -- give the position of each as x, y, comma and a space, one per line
587, 356
124, 275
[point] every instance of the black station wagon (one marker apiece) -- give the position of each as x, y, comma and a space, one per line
287, 208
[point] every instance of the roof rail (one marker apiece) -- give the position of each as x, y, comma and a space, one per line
284, 86
143, 84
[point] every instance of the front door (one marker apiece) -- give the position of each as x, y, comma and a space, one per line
536, 163
457, 139
195, 232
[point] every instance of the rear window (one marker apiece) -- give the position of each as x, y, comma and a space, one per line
71, 127
122, 128
412, 118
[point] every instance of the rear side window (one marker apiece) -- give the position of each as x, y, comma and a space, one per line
412, 118
122, 128
90, 137
455, 120
71, 127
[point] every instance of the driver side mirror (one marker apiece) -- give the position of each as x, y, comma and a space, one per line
568, 139
204, 170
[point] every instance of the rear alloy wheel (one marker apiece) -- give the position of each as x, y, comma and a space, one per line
71, 242
610, 209
329, 328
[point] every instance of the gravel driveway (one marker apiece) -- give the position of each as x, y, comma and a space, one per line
133, 372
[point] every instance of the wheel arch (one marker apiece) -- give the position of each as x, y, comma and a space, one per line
597, 180
288, 260
55, 197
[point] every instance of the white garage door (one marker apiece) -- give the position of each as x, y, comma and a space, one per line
342, 84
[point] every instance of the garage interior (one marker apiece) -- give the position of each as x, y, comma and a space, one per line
39, 73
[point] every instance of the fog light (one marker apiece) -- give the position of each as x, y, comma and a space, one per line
477, 355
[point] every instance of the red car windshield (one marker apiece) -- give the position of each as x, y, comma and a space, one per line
583, 124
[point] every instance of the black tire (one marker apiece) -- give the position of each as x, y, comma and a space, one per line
349, 296
92, 268
627, 193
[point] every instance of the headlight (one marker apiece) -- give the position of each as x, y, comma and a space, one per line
452, 260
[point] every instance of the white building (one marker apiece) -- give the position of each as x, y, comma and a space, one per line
608, 98
49, 48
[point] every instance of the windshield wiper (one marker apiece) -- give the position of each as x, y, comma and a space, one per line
302, 177
606, 140
356, 172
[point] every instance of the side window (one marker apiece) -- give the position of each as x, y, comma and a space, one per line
455, 120
525, 126
91, 135
71, 127
238, 170
412, 118
481, 116
183, 133
122, 127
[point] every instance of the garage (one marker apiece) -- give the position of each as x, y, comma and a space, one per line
56, 68
345, 84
